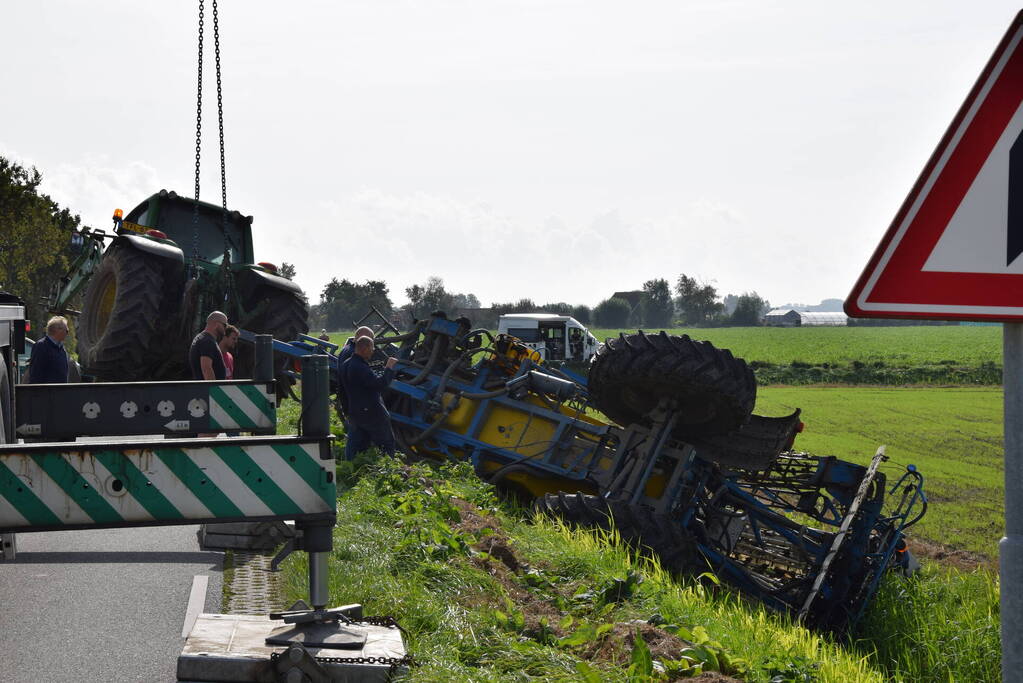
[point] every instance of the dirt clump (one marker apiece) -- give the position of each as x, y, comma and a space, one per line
952, 557
714, 677
617, 644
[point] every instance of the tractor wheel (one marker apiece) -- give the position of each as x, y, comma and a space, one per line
6, 418
118, 328
638, 526
285, 316
714, 391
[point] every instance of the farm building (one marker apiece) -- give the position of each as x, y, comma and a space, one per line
789, 317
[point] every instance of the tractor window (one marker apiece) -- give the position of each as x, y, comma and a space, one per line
530, 335
176, 219
139, 215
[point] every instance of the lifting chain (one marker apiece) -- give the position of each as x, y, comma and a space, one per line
198, 133
198, 150
392, 662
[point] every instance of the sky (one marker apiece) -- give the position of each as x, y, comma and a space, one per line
559, 150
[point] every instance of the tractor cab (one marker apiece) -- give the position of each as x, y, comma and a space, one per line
558, 338
174, 216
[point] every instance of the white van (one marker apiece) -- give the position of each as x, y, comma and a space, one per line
556, 337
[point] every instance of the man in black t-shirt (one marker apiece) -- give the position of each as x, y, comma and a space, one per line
204, 357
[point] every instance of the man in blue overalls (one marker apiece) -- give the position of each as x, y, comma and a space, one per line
368, 420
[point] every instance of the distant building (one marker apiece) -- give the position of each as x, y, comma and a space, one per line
789, 317
633, 297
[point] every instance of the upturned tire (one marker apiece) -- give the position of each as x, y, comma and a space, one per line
714, 391
640, 527
119, 326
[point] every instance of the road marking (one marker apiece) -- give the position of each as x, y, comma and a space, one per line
196, 602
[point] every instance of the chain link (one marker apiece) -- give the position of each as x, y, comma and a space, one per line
392, 662
198, 148
220, 117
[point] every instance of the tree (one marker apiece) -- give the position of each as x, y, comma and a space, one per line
560, 308
429, 297
520, 306
343, 302
582, 314
749, 309
657, 308
463, 301
287, 270
34, 237
613, 312
697, 302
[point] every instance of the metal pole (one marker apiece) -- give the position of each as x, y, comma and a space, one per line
1010, 549
264, 370
315, 396
316, 422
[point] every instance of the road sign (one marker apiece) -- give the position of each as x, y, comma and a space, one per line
955, 248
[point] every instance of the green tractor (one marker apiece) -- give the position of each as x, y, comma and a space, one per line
170, 262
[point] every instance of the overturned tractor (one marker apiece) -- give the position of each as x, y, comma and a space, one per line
660, 443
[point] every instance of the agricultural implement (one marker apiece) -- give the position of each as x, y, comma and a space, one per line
661, 444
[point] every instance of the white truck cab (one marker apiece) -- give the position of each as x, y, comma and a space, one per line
557, 338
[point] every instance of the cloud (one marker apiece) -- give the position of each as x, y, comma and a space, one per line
474, 247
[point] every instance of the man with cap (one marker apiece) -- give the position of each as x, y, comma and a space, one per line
204, 357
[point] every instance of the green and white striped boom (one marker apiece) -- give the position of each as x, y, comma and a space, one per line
187, 481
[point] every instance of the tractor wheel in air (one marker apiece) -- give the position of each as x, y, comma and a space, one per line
639, 526
118, 329
713, 390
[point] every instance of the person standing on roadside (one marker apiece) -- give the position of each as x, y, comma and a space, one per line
204, 357
227, 344
369, 423
48, 363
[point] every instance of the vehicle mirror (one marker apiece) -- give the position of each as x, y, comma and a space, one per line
77, 242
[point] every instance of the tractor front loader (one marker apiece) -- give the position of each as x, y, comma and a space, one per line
168, 263
661, 444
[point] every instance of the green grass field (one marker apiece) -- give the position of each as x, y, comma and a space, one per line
893, 346
953, 435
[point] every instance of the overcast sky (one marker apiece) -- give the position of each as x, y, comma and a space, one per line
555, 149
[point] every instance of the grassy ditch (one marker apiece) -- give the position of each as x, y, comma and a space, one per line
487, 594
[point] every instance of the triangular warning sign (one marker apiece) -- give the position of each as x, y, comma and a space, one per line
955, 249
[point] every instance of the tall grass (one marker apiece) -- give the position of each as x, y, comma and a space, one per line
940, 626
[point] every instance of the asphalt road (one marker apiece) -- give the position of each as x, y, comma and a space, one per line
100, 605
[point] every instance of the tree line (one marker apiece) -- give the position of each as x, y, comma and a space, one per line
343, 303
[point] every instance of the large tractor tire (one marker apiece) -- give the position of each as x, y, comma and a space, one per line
285, 316
119, 326
638, 526
713, 391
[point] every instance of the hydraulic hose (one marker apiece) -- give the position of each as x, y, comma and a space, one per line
447, 373
438, 346
435, 425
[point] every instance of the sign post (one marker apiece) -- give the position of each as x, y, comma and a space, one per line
1010, 549
955, 252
